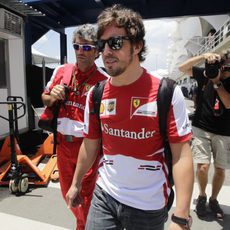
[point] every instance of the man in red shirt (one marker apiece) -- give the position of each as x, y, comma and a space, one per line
71, 115
132, 188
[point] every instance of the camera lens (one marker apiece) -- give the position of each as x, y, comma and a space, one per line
212, 69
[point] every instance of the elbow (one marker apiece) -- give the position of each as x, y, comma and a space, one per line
182, 69
185, 70
43, 97
226, 102
227, 106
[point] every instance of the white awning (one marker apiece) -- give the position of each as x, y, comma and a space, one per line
38, 58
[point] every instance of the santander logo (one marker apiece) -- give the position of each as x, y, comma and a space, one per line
142, 134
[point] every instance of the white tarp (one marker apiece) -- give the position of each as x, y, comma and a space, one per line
38, 58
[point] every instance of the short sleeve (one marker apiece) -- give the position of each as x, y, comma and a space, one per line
92, 128
179, 126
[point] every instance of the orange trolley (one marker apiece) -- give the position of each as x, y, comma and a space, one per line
18, 170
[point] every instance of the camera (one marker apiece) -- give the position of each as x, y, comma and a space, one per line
212, 69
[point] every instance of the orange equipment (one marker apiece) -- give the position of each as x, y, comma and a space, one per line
18, 170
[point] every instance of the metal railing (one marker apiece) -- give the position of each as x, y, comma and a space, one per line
210, 44
216, 39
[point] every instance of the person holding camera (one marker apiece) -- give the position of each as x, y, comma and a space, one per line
211, 124
70, 121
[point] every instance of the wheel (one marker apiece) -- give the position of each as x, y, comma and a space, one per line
23, 184
13, 186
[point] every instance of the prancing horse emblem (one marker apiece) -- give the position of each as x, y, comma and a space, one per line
136, 102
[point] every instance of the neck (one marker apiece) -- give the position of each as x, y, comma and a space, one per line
84, 68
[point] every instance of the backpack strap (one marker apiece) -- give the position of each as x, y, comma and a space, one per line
68, 71
164, 99
96, 96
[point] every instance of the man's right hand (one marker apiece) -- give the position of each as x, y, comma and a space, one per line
58, 92
211, 57
73, 197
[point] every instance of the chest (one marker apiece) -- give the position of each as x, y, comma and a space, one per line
134, 109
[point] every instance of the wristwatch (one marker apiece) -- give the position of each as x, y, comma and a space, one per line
217, 85
185, 222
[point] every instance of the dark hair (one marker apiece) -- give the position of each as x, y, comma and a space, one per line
211, 32
125, 18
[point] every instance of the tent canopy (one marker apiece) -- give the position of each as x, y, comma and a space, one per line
38, 58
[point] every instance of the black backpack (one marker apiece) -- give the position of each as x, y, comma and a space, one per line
164, 98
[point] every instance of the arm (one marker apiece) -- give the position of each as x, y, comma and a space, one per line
224, 96
186, 67
222, 92
87, 155
54, 89
183, 175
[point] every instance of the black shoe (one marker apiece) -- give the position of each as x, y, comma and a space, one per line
216, 209
201, 208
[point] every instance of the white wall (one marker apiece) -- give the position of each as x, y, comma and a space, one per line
215, 21
17, 83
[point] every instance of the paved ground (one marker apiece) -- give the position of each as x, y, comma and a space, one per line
43, 208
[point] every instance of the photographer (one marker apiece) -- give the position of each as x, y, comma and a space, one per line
211, 124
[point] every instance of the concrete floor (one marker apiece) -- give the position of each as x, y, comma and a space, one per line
43, 208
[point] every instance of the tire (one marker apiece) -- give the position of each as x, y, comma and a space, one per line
13, 186
23, 184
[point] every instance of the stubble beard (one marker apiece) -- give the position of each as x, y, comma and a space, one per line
122, 68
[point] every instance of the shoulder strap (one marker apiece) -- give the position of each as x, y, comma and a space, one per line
96, 96
68, 70
164, 99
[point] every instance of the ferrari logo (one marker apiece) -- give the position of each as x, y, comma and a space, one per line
87, 87
136, 102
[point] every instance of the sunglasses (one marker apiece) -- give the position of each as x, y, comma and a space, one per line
114, 43
83, 47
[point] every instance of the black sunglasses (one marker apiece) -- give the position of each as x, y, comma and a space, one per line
87, 47
114, 43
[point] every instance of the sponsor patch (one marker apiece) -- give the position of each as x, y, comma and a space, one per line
108, 162
143, 107
108, 107
142, 133
149, 167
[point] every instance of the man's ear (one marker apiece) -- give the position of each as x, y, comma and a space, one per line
97, 54
138, 47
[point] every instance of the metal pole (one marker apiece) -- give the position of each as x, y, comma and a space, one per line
43, 73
